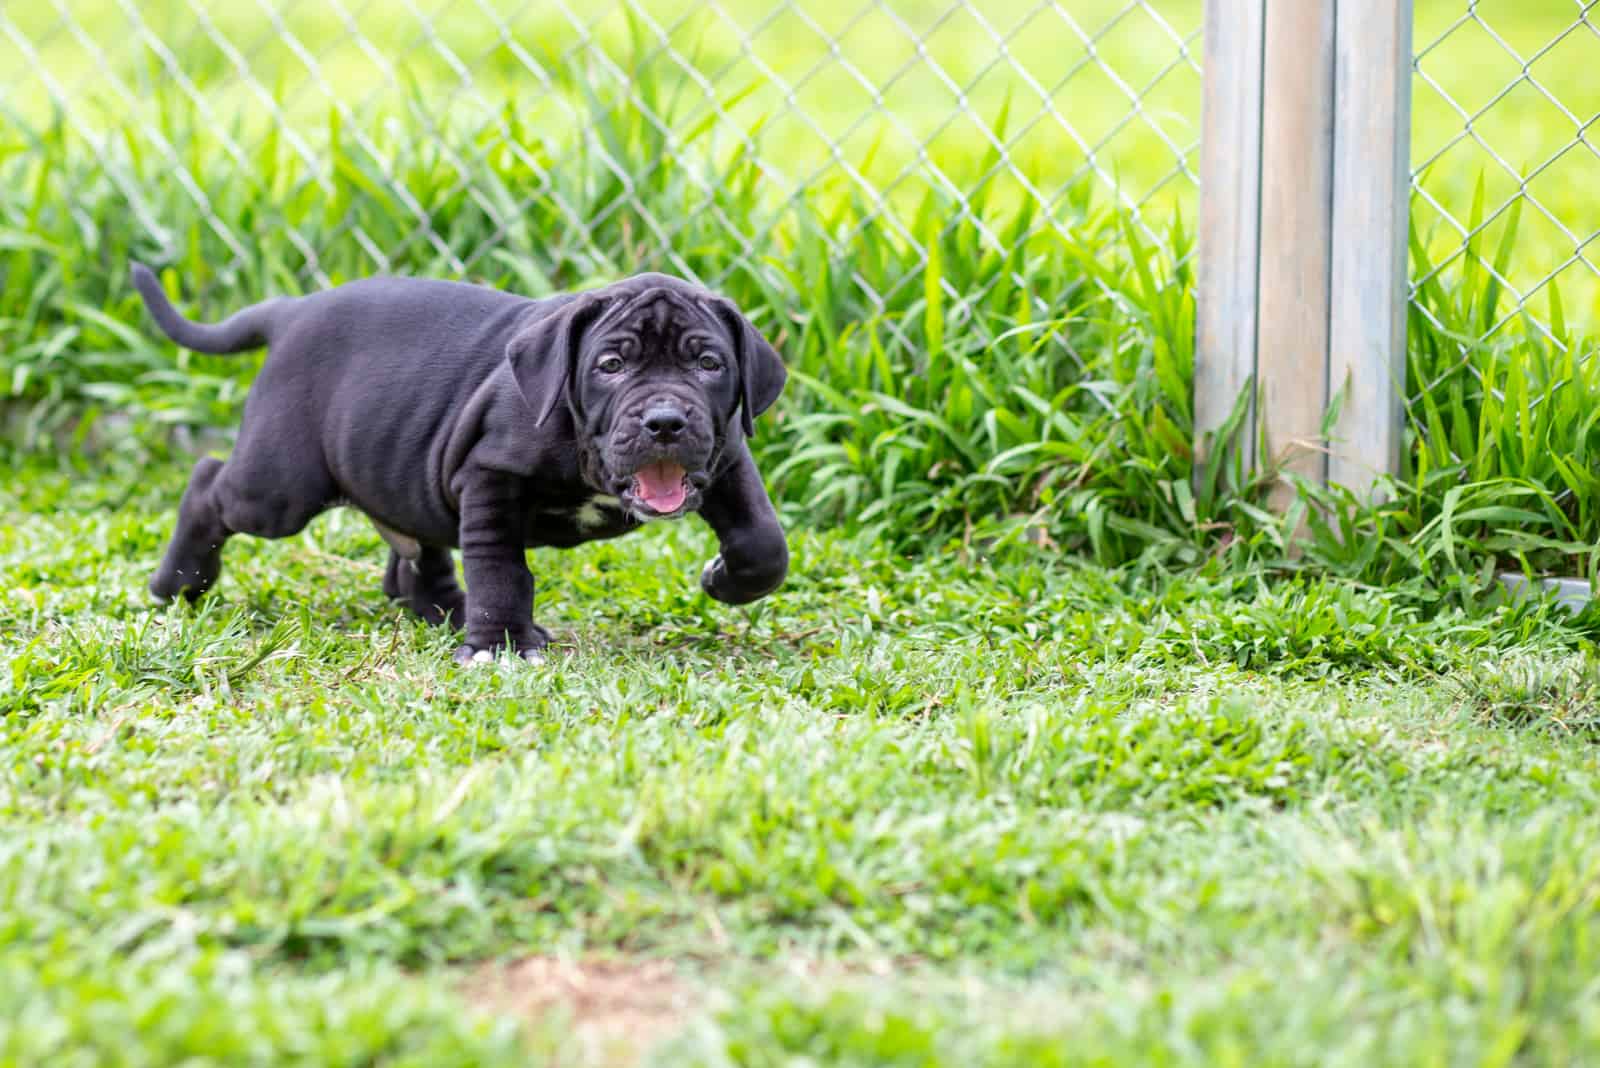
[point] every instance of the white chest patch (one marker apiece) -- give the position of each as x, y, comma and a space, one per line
597, 511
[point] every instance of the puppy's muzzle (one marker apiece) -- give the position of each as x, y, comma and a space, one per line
659, 453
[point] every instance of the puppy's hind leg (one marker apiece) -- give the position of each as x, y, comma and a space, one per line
426, 584
194, 556
230, 498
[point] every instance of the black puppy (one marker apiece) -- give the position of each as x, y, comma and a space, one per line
456, 415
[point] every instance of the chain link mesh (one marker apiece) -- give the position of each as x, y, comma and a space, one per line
1505, 163
883, 99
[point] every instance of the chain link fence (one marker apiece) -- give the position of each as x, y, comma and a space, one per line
882, 101
1032, 101
1506, 156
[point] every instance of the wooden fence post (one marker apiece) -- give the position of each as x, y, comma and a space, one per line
1296, 232
1304, 183
1371, 196
1230, 216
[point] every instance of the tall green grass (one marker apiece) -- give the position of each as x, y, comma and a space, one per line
984, 373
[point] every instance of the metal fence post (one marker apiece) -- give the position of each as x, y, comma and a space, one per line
1304, 173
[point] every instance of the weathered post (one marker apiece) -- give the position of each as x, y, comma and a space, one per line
1304, 185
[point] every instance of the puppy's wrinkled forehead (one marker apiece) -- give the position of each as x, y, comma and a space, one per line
659, 319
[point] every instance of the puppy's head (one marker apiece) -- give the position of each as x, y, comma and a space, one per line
657, 374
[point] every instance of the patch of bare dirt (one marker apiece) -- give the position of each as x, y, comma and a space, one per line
616, 1011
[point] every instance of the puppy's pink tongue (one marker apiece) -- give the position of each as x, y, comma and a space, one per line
660, 486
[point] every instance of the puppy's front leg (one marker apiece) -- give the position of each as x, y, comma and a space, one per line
499, 584
754, 556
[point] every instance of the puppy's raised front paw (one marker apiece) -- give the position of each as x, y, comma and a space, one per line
741, 587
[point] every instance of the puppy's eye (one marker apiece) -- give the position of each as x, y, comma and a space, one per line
609, 364
709, 362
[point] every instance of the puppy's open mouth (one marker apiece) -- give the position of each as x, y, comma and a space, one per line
661, 487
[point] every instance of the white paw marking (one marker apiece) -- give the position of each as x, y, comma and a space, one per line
482, 656
592, 513
405, 545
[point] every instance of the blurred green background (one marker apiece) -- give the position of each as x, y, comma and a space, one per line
832, 87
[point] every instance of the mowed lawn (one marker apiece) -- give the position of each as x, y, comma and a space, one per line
939, 811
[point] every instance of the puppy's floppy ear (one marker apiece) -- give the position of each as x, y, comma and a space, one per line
544, 355
761, 372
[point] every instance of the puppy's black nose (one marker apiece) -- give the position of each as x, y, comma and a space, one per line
664, 422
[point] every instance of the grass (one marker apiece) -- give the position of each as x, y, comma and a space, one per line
1024, 811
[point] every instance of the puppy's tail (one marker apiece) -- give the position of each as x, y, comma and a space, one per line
245, 330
